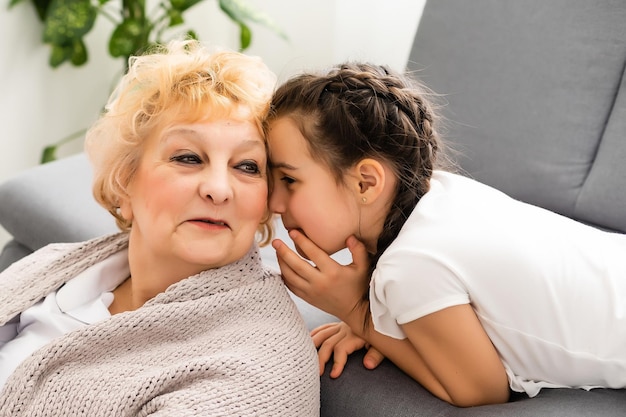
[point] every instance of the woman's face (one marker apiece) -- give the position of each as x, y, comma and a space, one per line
305, 192
198, 195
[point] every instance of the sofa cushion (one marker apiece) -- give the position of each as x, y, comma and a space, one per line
529, 87
387, 391
602, 199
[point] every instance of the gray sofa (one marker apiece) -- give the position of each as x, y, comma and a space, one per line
535, 105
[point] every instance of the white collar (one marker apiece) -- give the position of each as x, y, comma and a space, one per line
89, 285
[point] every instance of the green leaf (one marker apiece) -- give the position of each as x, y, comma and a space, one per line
49, 154
78, 53
182, 5
240, 11
176, 17
126, 39
12, 3
41, 6
245, 36
58, 55
68, 20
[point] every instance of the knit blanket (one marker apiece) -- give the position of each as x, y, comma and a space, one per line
225, 342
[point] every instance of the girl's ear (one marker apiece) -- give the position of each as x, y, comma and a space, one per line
371, 177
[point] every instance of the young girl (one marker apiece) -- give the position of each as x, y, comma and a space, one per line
467, 290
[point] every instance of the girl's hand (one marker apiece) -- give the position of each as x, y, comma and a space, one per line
337, 339
337, 289
372, 358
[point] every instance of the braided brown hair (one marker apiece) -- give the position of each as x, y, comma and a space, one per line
360, 110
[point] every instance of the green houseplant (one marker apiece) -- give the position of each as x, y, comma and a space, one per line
137, 26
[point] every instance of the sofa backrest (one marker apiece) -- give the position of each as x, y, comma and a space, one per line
534, 98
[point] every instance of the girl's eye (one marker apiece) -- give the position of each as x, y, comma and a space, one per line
287, 180
188, 158
249, 167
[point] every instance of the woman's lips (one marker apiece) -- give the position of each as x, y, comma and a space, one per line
211, 223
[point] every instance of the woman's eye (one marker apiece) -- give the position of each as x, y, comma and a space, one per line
188, 158
249, 167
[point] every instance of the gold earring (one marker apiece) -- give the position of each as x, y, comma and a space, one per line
364, 200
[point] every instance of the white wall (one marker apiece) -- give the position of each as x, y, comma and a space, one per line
40, 105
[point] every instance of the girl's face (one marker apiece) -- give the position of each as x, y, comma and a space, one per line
306, 194
198, 195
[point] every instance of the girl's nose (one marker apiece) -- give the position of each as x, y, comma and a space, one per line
276, 202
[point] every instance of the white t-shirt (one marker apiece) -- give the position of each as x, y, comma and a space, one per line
550, 292
83, 300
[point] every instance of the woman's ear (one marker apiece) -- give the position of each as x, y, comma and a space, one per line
371, 177
125, 210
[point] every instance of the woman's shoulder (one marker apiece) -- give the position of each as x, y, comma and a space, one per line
45, 270
55, 255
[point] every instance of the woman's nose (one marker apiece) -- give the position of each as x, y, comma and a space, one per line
215, 185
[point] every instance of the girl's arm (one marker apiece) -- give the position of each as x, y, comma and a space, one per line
448, 351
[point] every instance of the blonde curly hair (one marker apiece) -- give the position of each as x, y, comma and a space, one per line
181, 82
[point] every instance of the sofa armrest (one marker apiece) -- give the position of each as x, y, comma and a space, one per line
53, 203
11, 252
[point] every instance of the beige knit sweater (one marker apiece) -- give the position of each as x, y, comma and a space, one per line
226, 342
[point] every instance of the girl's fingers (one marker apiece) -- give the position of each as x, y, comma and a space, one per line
323, 355
342, 350
360, 256
289, 258
372, 358
291, 263
326, 340
313, 252
323, 334
322, 328
340, 358
293, 281
327, 285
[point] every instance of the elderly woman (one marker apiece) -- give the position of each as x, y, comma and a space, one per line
175, 315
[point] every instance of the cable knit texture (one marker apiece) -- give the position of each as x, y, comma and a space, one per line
225, 342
